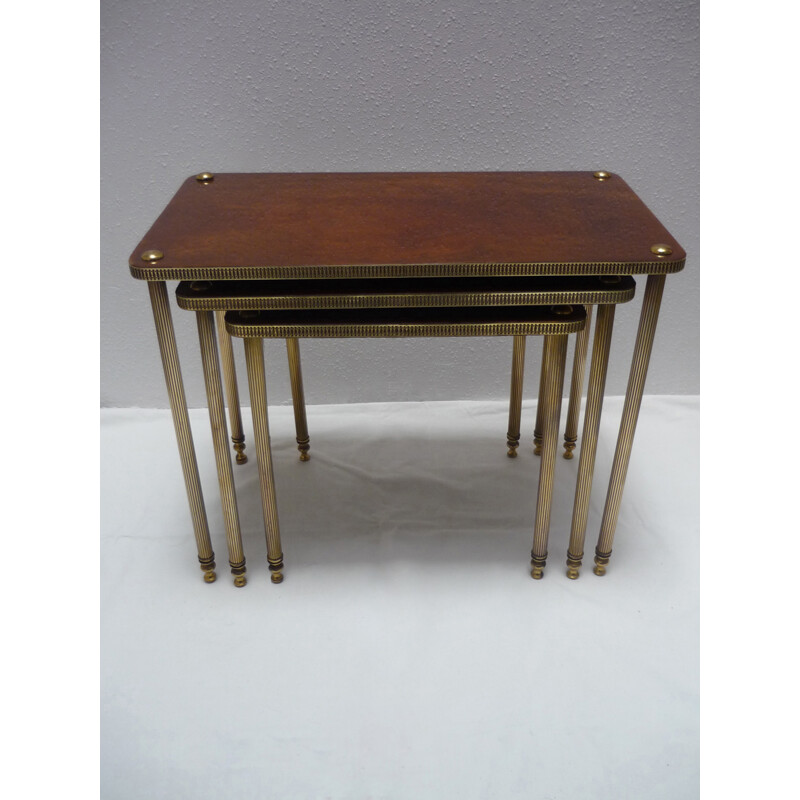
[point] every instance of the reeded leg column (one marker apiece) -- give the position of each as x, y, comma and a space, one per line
254, 353
537, 431
648, 319
555, 355
591, 427
219, 432
231, 388
576, 387
298, 398
515, 403
180, 418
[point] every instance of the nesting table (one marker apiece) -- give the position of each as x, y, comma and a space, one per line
445, 233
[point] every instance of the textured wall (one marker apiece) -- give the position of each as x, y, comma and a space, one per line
258, 85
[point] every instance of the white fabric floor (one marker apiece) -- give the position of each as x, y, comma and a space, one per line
408, 653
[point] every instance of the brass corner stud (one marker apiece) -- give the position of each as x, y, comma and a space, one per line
602, 175
204, 177
661, 250
562, 311
152, 255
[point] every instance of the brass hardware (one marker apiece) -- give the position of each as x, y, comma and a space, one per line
573, 567
648, 318
591, 427
204, 177
600, 562
537, 431
276, 576
576, 386
279, 328
152, 255
661, 250
219, 434
240, 580
298, 398
180, 418
238, 446
602, 175
555, 356
515, 403
357, 294
254, 358
200, 286
231, 387
209, 576
562, 311
517, 269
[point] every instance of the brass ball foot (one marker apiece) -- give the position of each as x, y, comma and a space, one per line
240, 580
209, 576
303, 446
276, 577
573, 573
238, 446
537, 573
600, 561
569, 446
512, 452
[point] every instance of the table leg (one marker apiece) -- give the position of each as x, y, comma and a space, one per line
254, 355
231, 387
219, 432
630, 414
537, 430
180, 417
298, 398
515, 402
555, 356
576, 387
591, 427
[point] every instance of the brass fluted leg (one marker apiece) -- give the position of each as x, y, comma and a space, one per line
254, 354
515, 403
537, 431
231, 387
591, 426
555, 355
219, 433
298, 398
576, 386
630, 414
180, 418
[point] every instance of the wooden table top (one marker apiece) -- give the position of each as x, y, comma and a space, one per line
249, 226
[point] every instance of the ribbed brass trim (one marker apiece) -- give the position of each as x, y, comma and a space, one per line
648, 319
216, 410
226, 273
180, 417
403, 300
396, 330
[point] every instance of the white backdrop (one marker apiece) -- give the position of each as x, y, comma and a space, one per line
408, 653
249, 85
